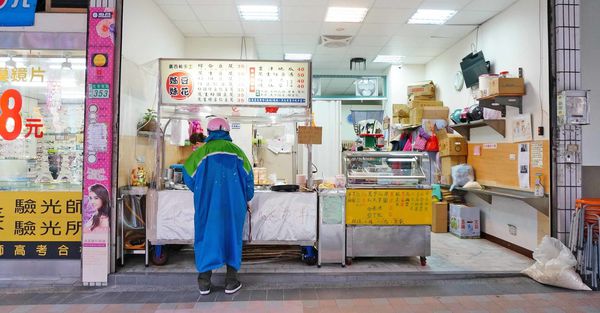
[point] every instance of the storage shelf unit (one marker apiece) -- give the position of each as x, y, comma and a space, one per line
541, 204
500, 102
464, 129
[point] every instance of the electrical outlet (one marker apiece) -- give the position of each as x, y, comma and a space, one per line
570, 156
140, 159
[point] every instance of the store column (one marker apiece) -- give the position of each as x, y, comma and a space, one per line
97, 193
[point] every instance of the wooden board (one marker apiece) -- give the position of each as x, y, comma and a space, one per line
493, 167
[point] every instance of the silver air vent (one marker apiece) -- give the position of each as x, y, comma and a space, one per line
332, 41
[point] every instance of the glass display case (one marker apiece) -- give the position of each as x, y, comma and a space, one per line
388, 204
41, 148
386, 169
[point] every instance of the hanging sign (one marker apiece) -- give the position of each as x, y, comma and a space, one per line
97, 178
234, 82
17, 12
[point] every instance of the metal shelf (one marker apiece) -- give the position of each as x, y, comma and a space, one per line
500, 102
541, 204
464, 129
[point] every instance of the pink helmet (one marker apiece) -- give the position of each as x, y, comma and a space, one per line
218, 123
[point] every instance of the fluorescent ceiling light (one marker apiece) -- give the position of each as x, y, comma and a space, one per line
259, 12
73, 66
435, 17
298, 56
345, 14
396, 59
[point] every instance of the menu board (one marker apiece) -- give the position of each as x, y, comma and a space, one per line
234, 82
388, 207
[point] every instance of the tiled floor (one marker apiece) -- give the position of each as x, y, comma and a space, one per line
448, 254
559, 302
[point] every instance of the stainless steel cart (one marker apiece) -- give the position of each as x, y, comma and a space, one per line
332, 224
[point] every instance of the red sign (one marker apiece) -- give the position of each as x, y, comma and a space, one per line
179, 85
14, 113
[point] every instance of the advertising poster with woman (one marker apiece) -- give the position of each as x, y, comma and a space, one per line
97, 177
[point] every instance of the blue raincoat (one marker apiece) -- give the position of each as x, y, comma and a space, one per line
221, 178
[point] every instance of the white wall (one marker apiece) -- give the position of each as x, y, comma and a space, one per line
139, 66
220, 48
590, 50
148, 33
398, 78
327, 156
509, 40
514, 38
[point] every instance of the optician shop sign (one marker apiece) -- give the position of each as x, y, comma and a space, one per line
17, 12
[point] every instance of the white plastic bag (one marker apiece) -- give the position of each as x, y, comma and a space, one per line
461, 174
555, 265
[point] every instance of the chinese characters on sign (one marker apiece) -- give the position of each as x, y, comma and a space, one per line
388, 207
234, 83
13, 114
40, 225
21, 74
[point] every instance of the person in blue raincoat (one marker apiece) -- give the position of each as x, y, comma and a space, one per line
221, 178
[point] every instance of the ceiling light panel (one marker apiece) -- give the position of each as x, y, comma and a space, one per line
431, 17
394, 59
298, 56
345, 14
259, 12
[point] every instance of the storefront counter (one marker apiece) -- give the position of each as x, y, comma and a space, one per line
276, 218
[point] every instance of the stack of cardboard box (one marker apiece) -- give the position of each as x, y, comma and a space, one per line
453, 151
423, 105
401, 114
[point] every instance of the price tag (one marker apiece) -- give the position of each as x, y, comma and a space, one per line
99, 91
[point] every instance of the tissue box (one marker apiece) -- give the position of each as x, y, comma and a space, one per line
464, 221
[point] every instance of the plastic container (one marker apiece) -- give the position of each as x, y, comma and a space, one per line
484, 84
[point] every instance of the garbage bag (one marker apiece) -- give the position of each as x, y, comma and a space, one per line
555, 265
461, 174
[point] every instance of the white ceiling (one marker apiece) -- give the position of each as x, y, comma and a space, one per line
384, 30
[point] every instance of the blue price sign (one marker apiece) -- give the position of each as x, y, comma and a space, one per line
17, 12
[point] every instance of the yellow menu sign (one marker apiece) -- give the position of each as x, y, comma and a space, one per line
388, 207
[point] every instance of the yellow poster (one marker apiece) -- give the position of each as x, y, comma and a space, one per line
40, 216
388, 207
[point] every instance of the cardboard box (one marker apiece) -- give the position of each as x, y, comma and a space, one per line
403, 120
425, 103
425, 88
449, 161
439, 220
451, 144
464, 221
413, 97
401, 110
310, 135
418, 114
446, 179
510, 86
